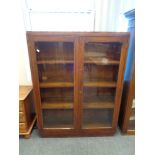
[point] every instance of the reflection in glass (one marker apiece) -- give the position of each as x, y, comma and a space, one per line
55, 62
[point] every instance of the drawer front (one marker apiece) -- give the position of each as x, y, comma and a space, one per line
21, 106
22, 127
22, 117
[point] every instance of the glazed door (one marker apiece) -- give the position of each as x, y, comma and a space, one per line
55, 59
131, 120
98, 81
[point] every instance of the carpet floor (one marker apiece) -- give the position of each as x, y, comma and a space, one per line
115, 145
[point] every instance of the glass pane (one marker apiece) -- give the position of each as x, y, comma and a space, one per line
58, 118
102, 53
57, 95
58, 107
101, 65
98, 104
56, 72
97, 97
131, 124
100, 73
56, 51
56, 76
96, 118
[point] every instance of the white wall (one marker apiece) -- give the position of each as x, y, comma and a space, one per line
24, 67
128, 5
12, 45
109, 14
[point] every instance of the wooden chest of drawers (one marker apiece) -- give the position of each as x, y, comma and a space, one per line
26, 110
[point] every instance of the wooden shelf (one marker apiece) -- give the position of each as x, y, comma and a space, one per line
107, 105
133, 104
131, 131
55, 62
58, 99
99, 102
57, 102
57, 105
97, 105
58, 126
99, 98
96, 125
112, 62
56, 84
100, 84
97, 62
132, 118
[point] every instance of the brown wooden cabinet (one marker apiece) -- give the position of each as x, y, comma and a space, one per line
77, 80
27, 115
127, 112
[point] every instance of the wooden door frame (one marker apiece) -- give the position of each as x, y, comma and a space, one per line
119, 87
31, 39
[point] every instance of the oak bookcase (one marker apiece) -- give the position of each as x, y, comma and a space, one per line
77, 80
